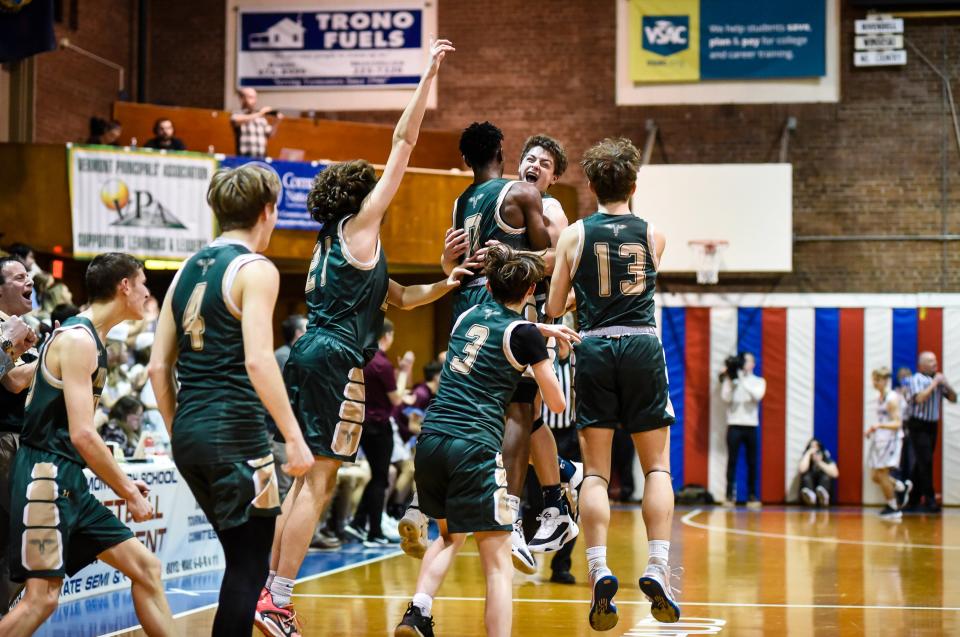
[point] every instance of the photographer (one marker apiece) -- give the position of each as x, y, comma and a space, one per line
817, 473
742, 391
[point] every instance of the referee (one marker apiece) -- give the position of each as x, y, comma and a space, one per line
926, 391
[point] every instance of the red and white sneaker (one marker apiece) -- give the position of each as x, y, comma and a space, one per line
275, 621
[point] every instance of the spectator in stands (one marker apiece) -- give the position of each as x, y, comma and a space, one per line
742, 390
125, 425
25, 253
51, 294
928, 388
15, 288
251, 128
118, 384
294, 326
163, 138
62, 312
817, 473
383, 389
104, 132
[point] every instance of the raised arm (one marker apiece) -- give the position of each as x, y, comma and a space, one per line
365, 227
163, 361
407, 297
256, 287
561, 282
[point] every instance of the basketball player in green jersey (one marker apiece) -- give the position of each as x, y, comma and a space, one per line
59, 526
215, 328
348, 291
610, 260
459, 468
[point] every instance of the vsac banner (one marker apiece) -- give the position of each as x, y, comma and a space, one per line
151, 205
362, 47
296, 179
693, 40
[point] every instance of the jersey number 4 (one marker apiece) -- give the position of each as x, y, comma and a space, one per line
193, 323
478, 336
638, 278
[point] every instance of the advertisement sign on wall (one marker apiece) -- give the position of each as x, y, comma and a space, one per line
296, 178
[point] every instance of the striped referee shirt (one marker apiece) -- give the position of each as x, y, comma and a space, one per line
565, 418
930, 409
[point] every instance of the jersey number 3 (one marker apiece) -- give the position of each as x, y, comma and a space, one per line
192, 322
478, 336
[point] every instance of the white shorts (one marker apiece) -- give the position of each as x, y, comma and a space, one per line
401, 452
885, 454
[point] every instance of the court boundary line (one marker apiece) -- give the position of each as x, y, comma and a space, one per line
308, 578
688, 521
528, 600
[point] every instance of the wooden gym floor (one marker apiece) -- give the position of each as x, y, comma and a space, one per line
780, 571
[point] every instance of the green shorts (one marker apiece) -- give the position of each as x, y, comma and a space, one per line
229, 493
463, 483
56, 525
326, 391
622, 381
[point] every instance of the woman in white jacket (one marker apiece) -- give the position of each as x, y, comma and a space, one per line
742, 391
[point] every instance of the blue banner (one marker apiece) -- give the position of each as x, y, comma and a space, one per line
355, 48
296, 178
746, 39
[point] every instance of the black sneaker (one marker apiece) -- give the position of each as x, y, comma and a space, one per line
355, 534
563, 577
903, 497
891, 514
373, 542
414, 624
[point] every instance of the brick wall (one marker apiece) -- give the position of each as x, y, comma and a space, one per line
71, 88
882, 160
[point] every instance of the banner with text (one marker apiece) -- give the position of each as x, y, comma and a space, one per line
296, 178
179, 534
693, 40
359, 47
147, 204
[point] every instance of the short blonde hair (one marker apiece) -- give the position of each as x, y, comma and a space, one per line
881, 372
239, 195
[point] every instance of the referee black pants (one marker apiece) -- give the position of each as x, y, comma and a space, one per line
923, 440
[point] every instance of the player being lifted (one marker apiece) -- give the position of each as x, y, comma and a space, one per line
610, 260
347, 293
459, 468
215, 327
491, 209
59, 526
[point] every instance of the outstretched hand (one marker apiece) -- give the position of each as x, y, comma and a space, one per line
560, 332
456, 276
438, 51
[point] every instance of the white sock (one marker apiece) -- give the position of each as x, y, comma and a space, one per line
424, 602
900, 487
270, 580
659, 550
596, 558
892, 503
281, 589
415, 503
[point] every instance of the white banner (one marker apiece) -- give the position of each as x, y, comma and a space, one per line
362, 46
148, 204
179, 534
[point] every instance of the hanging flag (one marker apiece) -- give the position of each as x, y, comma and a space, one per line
26, 28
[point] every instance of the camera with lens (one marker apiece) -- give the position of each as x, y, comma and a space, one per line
733, 365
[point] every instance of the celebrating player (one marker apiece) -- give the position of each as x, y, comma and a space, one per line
215, 327
610, 260
459, 467
347, 293
59, 526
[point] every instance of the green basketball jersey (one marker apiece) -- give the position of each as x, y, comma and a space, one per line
45, 424
477, 211
479, 376
219, 415
614, 276
346, 297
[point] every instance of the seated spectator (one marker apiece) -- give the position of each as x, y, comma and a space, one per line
164, 139
118, 384
51, 294
104, 132
124, 425
352, 479
817, 473
407, 418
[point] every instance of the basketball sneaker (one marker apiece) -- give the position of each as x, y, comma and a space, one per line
573, 490
891, 514
808, 496
556, 529
903, 496
413, 532
655, 584
522, 557
414, 624
603, 612
273, 620
823, 496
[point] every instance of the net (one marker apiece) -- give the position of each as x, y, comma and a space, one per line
707, 257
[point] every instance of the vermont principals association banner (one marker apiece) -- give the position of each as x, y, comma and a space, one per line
148, 204
694, 40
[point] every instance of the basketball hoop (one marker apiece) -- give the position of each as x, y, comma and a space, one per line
707, 254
